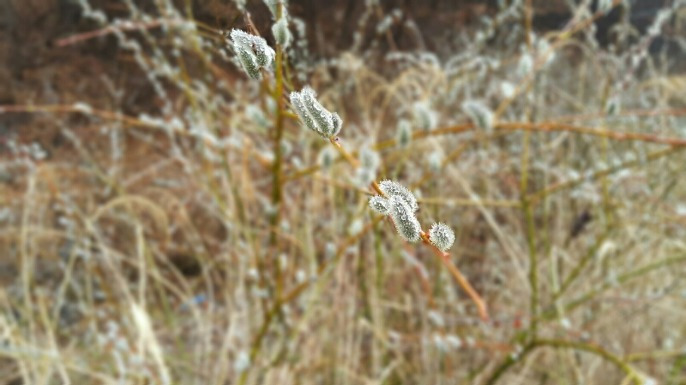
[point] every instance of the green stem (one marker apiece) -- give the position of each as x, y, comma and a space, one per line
527, 209
277, 176
277, 198
592, 251
552, 313
624, 278
511, 360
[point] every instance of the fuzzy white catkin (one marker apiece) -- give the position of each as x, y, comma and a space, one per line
424, 116
403, 217
479, 114
242, 362
380, 204
435, 161
83, 107
249, 63
301, 111
365, 176
385, 24
252, 51
271, 4
240, 4
369, 158
326, 157
319, 114
453, 341
395, 189
404, 133
286, 147
613, 106
314, 115
355, 227
281, 32
544, 50
507, 89
605, 6
441, 236
525, 65
255, 114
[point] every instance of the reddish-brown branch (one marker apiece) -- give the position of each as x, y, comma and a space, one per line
461, 280
615, 135
121, 27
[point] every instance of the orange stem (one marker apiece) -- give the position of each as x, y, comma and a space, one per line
464, 283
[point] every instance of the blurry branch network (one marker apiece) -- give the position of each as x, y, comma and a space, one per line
271, 71
257, 58
393, 199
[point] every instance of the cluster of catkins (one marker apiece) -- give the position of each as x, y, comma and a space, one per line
400, 204
397, 201
252, 52
313, 115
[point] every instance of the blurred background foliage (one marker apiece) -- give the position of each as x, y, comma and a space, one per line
139, 240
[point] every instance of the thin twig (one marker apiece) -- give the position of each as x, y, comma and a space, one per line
464, 283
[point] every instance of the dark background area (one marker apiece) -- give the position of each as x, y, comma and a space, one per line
33, 69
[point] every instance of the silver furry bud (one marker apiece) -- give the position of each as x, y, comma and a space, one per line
252, 51
281, 32
441, 236
403, 217
380, 204
403, 135
424, 116
395, 189
326, 157
314, 115
479, 114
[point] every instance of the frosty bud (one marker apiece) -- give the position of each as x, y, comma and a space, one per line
337, 124
314, 115
605, 6
264, 54
249, 63
525, 65
319, 114
435, 161
403, 217
404, 133
286, 147
369, 158
424, 116
301, 111
544, 50
242, 362
326, 157
272, 5
364, 176
613, 106
441, 236
479, 114
252, 51
281, 32
380, 204
255, 114
507, 89
355, 227
395, 189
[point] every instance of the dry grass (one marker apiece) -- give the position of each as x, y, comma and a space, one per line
208, 245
